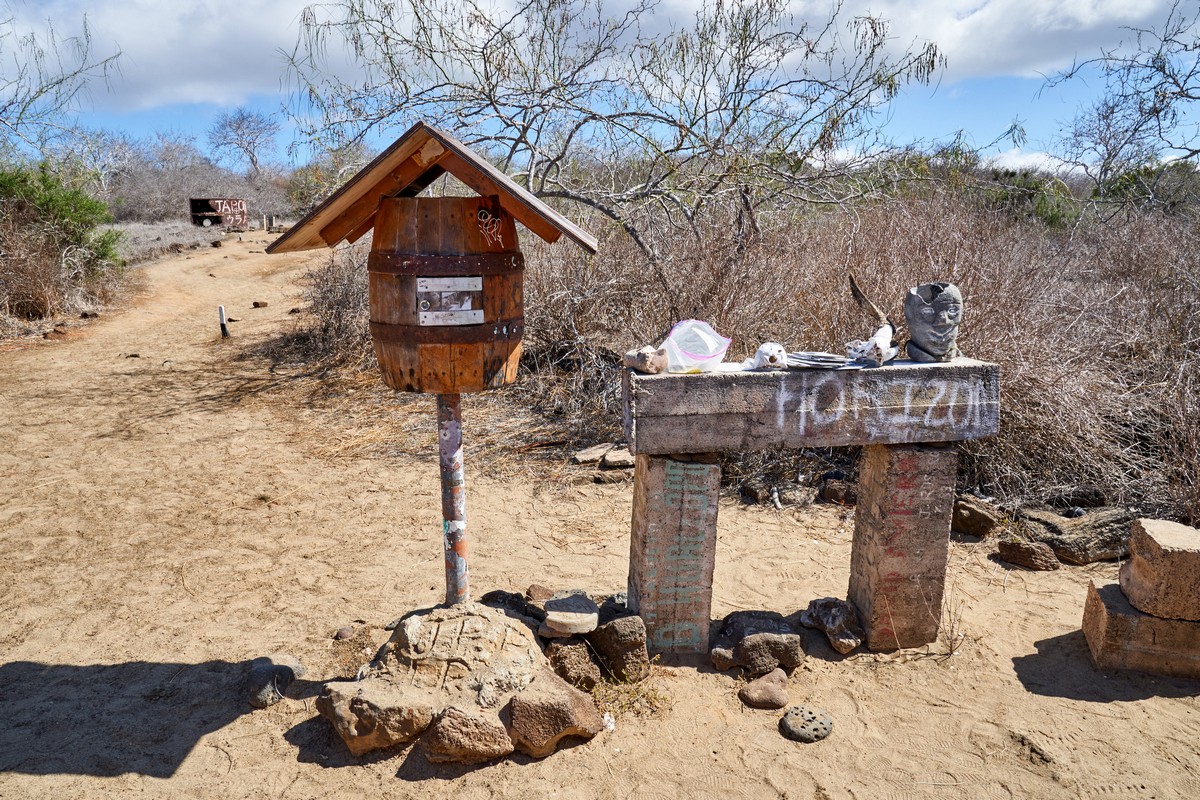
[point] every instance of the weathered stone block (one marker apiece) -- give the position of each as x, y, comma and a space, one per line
1162, 575
901, 542
1121, 637
672, 551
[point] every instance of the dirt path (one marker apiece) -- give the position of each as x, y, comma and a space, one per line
162, 522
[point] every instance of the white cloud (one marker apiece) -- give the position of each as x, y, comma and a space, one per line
220, 52
1018, 159
191, 52
1023, 38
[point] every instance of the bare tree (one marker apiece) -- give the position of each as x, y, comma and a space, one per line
741, 107
41, 78
244, 135
1145, 116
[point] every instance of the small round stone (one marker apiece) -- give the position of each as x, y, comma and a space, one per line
804, 724
344, 632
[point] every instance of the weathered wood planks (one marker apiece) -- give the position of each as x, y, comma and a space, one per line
901, 403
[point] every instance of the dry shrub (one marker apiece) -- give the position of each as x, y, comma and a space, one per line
1096, 328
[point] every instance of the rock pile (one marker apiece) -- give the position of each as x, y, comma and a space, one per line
469, 681
1150, 621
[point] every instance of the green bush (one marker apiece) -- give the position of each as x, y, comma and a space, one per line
52, 257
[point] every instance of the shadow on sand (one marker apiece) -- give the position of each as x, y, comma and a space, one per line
107, 720
1062, 667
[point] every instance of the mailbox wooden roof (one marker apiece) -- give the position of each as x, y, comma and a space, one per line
415, 160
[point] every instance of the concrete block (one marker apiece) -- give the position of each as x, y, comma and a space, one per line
1121, 637
901, 542
1162, 575
673, 550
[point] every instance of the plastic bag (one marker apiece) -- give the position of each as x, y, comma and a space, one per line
693, 346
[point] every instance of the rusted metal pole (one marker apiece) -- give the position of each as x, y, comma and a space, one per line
454, 521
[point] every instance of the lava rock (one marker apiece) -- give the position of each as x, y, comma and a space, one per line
973, 516
615, 605
571, 660
1031, 555
374, 715
467, 656
464, 737
838, 620
768, 691
621, 647
547, 711
804, 724
1100, 535
269, 677
758, 641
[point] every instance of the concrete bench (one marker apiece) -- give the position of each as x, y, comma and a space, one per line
905, 414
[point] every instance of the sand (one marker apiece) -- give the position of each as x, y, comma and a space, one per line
169, 510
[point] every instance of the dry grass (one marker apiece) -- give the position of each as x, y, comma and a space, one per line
1096, 329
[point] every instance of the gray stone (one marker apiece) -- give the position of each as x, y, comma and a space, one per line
344, 632
974, 516
837, 619
933, 312
547, 711
269, 677
758, 641
1100, 535
568, 614
374, 714
768, 691
1031, 555
621, 647
593, 454
464, 737
572, 661
514, 605
618, 458
804, 724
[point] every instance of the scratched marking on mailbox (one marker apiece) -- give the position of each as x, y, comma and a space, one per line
676, 574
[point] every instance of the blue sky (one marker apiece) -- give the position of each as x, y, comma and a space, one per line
183, 63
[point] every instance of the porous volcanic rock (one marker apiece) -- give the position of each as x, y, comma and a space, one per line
758, 641
572, 661
549, 710
620, 646
804, 724
374, 714
269, 677
838, 620
973, 516
466, 738
1031, 555
1100, 535
467, 656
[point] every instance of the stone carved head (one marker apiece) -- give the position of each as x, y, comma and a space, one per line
933, 312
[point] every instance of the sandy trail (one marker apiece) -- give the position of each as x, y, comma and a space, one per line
163, 520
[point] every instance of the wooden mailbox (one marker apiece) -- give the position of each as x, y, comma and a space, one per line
446, 273
445, 286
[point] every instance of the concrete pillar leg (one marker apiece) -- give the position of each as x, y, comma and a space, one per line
901, 542
673, 550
